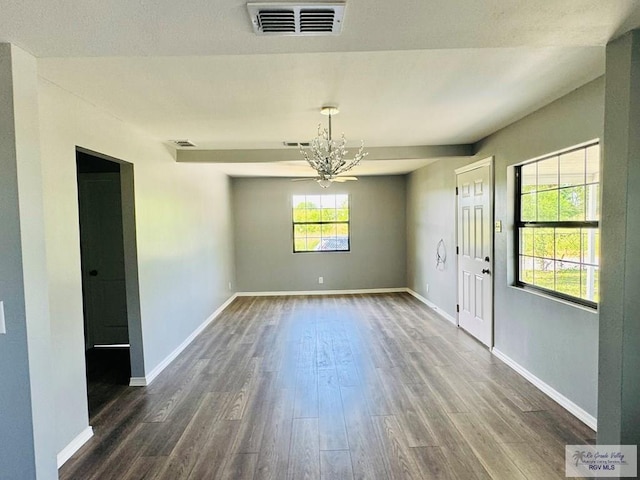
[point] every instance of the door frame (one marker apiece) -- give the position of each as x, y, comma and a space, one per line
132, 288
488, 161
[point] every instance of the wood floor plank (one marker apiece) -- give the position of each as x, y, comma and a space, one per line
241, 396
123, 456
344, 358
493, 457
400, 463
377, 398
335, 465
529, 426
530, 463
325, 345
275, 446
304, 461
116, 426
448, 397
217, 450
407, 409
306, 396
494, 395
333, 387
364, 444
515, 385
241, 466
498, 425
188, 449
433, 463
254, 421
459, 462
464, 463
169, 434
144, 468
331, 426
167, 403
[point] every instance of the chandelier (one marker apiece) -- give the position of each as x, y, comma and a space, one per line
327, 156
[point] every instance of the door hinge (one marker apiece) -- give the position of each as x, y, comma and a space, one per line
457, 250
456, 190
458, 308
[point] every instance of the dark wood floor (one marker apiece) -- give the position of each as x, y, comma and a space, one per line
108, 374
335, 387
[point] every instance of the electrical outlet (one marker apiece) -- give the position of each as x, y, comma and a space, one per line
321, 280
427, 289
229, 285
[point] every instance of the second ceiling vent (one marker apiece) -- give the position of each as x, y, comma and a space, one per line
296, 19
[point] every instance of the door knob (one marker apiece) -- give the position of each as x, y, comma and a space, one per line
486, 270
93, 273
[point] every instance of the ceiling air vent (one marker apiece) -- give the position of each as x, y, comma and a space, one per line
276, 21
317, 21
184, 143
296, 144
296, 19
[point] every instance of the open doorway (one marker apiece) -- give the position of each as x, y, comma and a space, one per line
109, 276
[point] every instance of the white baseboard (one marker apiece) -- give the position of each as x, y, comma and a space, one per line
563, 401
75, 444
147, 379
321, 292
138, 382
433, 306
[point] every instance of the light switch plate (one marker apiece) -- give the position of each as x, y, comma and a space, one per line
3, 327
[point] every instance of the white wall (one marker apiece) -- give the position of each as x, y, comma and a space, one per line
554, 341
264, 246
184, 237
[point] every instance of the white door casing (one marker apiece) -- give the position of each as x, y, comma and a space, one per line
475, 252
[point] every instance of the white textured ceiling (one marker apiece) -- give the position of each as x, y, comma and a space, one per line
81, 28
416, 97
413, 72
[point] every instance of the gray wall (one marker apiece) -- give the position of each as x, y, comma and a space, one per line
184, 242
619, 380
431, 216
15, 396
263, 236
555, 341
27, 447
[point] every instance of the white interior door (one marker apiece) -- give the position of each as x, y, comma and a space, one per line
475, 285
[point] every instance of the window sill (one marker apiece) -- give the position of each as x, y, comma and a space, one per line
555, 299
320, 251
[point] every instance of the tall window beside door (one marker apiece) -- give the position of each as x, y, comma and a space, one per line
321, 223
557, 224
